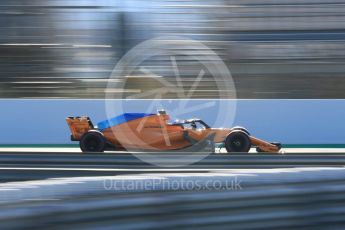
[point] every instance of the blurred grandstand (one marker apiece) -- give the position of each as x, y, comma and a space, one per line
273, 48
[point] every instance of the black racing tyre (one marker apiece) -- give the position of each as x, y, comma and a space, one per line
242, 129
92, 141
238, 141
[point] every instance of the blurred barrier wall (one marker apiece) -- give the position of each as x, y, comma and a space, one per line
289, 121
296, 198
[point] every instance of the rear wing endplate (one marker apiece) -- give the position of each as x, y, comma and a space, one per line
78, 126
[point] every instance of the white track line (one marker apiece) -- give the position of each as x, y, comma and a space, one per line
77, 150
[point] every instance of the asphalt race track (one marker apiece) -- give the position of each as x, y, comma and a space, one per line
61, 189
31, 165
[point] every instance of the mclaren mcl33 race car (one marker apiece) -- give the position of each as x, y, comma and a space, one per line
153, 132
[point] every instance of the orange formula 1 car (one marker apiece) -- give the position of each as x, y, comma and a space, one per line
149, 132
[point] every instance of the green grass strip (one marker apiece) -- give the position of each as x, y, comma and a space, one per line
77, 145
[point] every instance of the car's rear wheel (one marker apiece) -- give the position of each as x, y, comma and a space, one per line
92, 141
237, 141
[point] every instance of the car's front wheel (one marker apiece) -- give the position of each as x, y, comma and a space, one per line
242, 129
92, 141
237, 141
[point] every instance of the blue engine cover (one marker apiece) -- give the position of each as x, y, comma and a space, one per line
121, 119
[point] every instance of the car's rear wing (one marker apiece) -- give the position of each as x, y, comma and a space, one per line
78, 126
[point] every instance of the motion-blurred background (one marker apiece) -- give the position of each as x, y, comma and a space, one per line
273, 48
